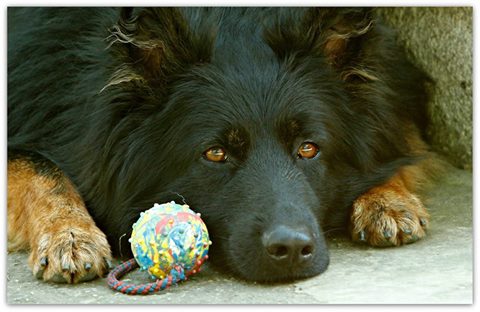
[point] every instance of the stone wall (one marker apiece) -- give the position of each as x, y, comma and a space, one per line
440, 41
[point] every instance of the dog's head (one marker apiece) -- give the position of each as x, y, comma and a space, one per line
250, 120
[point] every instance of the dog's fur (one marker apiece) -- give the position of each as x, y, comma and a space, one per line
112, 110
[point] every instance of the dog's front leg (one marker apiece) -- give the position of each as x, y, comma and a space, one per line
390, 214
47, 215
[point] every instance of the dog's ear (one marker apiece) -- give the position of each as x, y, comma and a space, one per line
335, 34
339, 31
158, 43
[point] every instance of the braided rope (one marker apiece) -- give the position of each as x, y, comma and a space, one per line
121, 270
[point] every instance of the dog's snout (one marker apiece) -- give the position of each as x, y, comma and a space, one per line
288, 245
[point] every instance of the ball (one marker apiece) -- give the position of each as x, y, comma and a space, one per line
170, 239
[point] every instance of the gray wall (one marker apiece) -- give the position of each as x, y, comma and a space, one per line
440, 41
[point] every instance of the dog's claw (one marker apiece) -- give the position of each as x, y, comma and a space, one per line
361, 236
407, 231
387, 234
88, 266
109, 264
423, 221
43, 262
66, 267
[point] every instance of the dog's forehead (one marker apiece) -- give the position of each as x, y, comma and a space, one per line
256, 101
238, 104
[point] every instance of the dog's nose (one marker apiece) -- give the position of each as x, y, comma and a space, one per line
285, 244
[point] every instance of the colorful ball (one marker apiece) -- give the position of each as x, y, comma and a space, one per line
170, 239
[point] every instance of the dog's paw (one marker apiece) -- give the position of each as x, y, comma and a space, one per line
71, 254
388, 216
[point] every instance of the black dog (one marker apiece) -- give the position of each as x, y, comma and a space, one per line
276, 124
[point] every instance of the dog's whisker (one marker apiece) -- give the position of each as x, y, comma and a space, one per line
120, 244
334, 230
181, 196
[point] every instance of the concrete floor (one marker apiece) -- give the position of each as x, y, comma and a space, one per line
437, 269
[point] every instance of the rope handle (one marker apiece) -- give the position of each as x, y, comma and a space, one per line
113, 279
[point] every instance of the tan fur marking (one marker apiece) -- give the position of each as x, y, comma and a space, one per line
52, 222
393, 213
389, 215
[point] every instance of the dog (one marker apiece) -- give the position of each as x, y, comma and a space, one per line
276, 124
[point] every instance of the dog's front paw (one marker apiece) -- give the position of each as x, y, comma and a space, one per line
388, 216
71, 254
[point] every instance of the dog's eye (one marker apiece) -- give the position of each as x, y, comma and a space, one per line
307, 150
215, 154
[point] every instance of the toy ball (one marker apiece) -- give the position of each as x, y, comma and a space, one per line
170, 239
